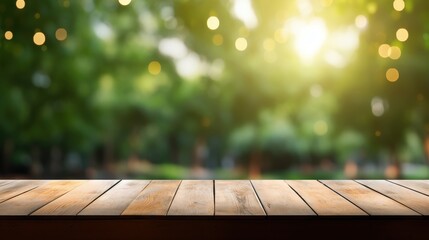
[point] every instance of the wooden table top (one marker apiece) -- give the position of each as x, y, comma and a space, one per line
214, 197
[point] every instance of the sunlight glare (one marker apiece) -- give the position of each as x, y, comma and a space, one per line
124, 2
309, 37
243, 10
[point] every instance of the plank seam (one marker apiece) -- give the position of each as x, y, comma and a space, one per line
172, 199
55, 198
259, 199
135, 197
116, 183
339, 194
408, 187
214, 197
20, 193
387, 197
301, 198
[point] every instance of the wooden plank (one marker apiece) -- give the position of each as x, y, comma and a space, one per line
5, 182
10, 189
116, 199
236, 197
279, 199
74, 201
370, 201
412, 199
194, 197
30, 201
416, 185
322, 199
155, 199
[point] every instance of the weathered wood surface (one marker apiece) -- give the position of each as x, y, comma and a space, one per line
323, 200
194, 197
214, 198
236, 198
370, 201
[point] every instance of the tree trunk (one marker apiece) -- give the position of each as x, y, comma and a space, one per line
394, 169
8, 147
255, 164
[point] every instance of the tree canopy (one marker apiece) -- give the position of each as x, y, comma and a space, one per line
256, 85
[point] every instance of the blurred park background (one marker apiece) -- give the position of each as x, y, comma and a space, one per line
214, 89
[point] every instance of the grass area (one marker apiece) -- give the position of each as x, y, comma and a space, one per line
172, 171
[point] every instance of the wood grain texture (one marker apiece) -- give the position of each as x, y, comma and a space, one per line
5, 182
417, 185
75, 200
412, 199
370, 201
279, 199
323, 200
194, 197
116, 199
236, 197
30, 201
155, 199
10, 189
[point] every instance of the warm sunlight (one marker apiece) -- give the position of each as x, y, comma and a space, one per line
309, 36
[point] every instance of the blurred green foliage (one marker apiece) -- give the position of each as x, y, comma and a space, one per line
153, 89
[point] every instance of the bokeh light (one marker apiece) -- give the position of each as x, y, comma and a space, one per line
361, 22
298, 80
402, 34
213, 23
377, 106
8, 35
241, 44
309, 36
392, 74
383, 50
217, 39
61, 34
372, 7
39, 38
20, 4
124, 2
154, 67
394, 52
399, 5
